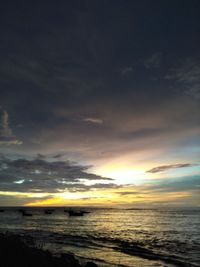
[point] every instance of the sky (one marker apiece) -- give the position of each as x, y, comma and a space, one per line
100, 103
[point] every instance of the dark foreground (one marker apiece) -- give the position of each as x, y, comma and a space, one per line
23, 252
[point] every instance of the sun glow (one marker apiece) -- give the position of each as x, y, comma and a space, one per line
123, 175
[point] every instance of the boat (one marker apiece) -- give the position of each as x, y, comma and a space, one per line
66, 210
25, 213
76, 213
85, 211
21, 210
49, 211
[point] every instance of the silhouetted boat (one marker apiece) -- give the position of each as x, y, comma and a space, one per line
21, 210
25, 213
76, 213
48, 211
1, 210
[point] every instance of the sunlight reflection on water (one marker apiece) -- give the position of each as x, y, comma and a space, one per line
126, 237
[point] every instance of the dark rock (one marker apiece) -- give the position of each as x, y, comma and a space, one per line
91, 264
15, 252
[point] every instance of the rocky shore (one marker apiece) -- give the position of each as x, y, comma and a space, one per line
19, 251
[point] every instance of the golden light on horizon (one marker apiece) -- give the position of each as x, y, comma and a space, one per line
111, 199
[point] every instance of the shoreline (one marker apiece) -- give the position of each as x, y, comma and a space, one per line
23, 251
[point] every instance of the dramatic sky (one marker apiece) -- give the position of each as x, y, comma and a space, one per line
100, 103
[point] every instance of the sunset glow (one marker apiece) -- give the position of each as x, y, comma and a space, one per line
99, 105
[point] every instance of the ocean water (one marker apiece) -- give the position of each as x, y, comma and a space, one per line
115, 237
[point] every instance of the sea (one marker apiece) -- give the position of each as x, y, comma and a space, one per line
114, 237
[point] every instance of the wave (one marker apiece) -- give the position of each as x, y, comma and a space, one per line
88, 241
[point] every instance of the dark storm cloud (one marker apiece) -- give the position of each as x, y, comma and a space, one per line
69, 59
97, 80
169, 167
38, 175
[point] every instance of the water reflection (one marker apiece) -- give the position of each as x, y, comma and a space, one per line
103, 234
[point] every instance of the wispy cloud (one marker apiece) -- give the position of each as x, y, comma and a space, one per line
168, 167
153, 61
6, 135
54, 156
126, 70
125, 193
40, 156
188, 74
179, 184
93, 120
